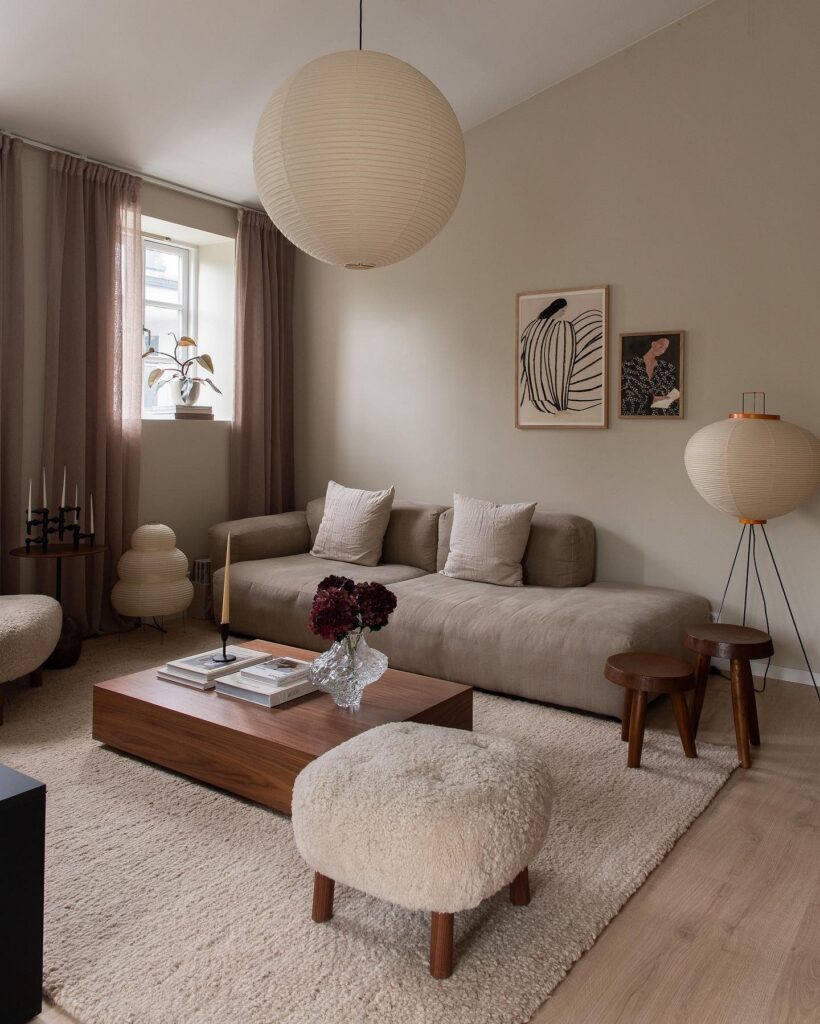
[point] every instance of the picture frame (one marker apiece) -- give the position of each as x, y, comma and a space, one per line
562, 358
641, 396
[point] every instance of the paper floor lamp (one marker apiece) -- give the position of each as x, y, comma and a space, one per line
755, 466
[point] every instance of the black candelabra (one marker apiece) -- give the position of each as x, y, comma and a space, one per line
40, 519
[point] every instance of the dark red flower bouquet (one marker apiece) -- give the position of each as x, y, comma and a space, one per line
342, 607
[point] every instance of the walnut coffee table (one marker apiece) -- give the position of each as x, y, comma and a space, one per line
252, 751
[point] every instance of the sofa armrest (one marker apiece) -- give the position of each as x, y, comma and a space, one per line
260, 537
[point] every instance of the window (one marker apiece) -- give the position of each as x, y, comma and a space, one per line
170, 291
189, 288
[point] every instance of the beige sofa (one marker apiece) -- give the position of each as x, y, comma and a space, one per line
546, 641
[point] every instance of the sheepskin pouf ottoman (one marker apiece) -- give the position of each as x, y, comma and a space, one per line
30, 627
428, 818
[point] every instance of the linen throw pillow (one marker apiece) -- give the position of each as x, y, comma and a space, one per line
488, 541
353, 525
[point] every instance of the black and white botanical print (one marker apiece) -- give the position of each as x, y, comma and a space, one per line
562, 358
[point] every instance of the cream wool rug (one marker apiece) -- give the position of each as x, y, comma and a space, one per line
171, 903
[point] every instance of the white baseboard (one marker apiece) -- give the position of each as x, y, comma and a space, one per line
787, 675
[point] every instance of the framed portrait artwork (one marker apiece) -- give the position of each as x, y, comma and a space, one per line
561, 358
651, 375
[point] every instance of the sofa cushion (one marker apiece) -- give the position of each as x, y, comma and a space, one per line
411, 537
544, 643
353, 524
271, 597
560, 551
487, 541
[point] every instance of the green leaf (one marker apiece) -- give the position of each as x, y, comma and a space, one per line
149, 351
154, 376
211, 383
186, 342
207, 362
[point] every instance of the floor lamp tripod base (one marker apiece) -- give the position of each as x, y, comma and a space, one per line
749, 531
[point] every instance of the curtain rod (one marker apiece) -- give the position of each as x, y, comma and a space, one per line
148, 178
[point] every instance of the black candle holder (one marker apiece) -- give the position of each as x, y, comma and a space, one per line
41, 520
224, 658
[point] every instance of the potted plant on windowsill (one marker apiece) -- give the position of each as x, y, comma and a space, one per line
185, 385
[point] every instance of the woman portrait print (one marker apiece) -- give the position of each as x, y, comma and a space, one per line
650, 374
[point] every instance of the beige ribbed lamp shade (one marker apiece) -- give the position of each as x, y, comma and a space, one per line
753, 467
153, 575
359, 159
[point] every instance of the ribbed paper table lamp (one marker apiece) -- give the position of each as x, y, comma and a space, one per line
754, 466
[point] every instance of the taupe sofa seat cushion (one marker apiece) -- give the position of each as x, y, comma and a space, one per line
543, 643
271, 597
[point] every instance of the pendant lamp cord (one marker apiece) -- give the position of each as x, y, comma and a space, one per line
360, 23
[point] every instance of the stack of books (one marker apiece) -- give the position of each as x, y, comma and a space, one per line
201, 672
269, 684
180, 412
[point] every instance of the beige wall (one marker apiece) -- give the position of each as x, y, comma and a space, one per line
683, 172
184, 465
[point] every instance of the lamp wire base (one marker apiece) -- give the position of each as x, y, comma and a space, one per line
751, 563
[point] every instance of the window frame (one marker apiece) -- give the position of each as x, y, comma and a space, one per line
189, 282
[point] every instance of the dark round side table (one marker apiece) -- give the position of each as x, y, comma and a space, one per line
641, 673
739, 645
68, 648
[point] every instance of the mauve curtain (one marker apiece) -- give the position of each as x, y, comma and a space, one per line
262, 433
93, 402
11, 362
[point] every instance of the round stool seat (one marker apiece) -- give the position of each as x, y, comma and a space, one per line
724, 640
651, 673
426, 817
641, 673
740, 645
30, 627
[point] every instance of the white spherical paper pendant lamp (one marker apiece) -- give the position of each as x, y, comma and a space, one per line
753, 466
359, 159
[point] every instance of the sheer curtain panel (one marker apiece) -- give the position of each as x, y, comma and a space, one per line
93, 370
12, 502
262, 433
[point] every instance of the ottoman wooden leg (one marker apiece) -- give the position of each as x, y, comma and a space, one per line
684, 724
701, 679
740, 709
626, 714
441, 945
322, 898
636, 728
36, 677
751, 703
520, 889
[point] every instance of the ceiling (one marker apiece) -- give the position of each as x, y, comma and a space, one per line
174, 89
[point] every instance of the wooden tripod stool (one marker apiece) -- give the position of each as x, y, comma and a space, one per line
740, 645
641, 673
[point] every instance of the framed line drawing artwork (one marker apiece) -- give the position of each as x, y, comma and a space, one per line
561, 361
650, 374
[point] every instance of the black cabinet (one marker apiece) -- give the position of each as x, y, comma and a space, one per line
22, 863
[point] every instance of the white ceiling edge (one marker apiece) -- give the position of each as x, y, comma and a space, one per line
179, 106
